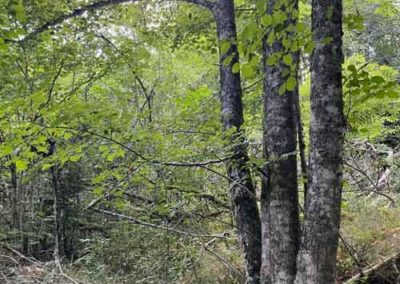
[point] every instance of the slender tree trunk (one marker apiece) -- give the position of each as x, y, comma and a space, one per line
58, 224
15, 199
279, 199
302, 147
242, 192
317, 256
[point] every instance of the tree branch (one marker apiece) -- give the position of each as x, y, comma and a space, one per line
194, 164
53, 83
374, 187
155, 226
372, 269
74, 13
204, 3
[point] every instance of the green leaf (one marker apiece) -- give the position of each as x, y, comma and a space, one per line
75, 158
46, 166
288, 59
352, 68
38, 98
271, 61
21, 165
286, 43
228, 59
354, 83
98, 191
279, 17
271, 38
225, 45
377, 79
250, 31
236, 68
5, 150
309, 47
247, 70
327, 40
266, 20
282, 89
300, 27
291, 83
260, 5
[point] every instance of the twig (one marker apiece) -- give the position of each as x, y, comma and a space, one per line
351, 251
246, 88
4, 277
371, 181
194, 164
155, 226
53, 83
223, 260
13, 260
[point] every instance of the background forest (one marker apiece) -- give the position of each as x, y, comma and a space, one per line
113, 152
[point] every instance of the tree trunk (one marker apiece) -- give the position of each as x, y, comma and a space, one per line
317, 255
279, 199
15, 203
242, 192
58, 215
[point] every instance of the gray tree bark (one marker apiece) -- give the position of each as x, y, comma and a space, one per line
279, 199
242, 192
317, 255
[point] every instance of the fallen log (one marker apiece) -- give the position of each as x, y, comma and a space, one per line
376, 271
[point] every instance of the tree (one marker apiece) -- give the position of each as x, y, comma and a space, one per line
280, 216
317, 255
242, 192
243, 195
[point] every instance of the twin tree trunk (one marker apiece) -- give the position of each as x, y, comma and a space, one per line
279, 198
317, 255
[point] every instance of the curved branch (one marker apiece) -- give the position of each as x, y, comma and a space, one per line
205, 3
74, 13
91, 7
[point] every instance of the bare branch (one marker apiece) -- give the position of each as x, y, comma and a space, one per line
223, 260
155, 226
53, 83
372, 269
20, 255
194, 164
374, 188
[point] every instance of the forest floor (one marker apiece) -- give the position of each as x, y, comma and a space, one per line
370, 244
